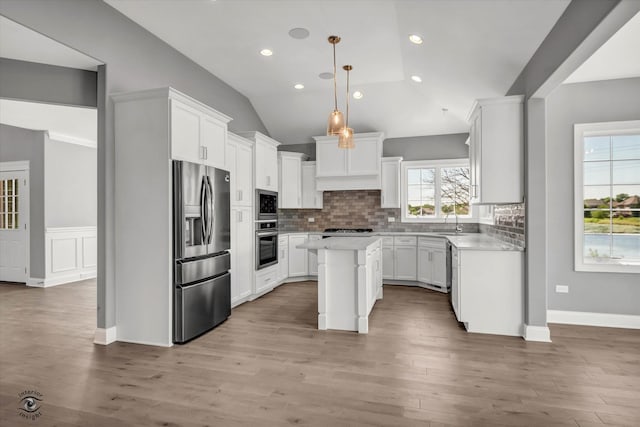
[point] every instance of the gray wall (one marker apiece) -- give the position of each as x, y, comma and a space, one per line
428, 147
17, 144
135, 60
71, 185
414, 148
47, 83
605, 101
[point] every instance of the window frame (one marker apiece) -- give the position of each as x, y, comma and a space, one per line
580, 130
443, 163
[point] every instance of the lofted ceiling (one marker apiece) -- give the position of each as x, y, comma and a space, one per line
23, 44
618, 58
472, 49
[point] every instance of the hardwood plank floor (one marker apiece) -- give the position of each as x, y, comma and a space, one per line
268, 365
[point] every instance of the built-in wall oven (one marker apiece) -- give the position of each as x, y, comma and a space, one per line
266, 205
266, 243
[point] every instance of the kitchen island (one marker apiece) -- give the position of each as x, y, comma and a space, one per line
349, 281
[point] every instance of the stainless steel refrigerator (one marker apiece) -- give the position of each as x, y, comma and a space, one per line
202, 231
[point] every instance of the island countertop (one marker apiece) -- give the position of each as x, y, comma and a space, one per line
341, 243
462, 241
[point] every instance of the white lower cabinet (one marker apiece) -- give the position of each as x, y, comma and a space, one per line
266, 279
241, 254
298, 261
283, 257
313, 257
405, 258
405, 263
388, 262
487, 290
432, 261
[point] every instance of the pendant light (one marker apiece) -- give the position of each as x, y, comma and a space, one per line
335, 124
345, 139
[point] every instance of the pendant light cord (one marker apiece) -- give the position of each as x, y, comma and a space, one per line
335, 85
346, 122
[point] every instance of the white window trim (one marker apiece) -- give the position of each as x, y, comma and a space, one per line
579, 132
429, 164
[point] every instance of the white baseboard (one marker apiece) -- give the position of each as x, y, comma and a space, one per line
61, 280
105, 336
607, 320
537, 333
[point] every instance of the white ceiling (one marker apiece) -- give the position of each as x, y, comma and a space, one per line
21, 43
69, 124
618, 58
472, 49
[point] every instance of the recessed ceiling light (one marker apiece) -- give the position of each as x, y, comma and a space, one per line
298, 86
325, 76
299, 33
266, 52
415, 39
416, 79
358, 95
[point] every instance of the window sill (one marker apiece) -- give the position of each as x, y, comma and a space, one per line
632, 268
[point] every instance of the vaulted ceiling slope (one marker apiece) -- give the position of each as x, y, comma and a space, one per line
472, 49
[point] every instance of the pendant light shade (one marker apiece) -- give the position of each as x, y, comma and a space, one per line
335, 124
345, 138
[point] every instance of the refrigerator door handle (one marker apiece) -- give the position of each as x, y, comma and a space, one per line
203, 213
210, 211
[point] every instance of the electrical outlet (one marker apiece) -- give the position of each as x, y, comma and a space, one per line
562, 289
391, 219
311, 219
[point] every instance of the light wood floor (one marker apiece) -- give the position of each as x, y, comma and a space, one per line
268, 365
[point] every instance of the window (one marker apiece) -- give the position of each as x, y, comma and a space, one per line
9, 204
607, 196
435, 190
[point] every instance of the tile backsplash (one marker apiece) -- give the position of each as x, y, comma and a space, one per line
361, 209
355, 209
508, 224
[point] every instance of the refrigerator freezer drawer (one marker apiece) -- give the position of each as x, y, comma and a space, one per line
201, 306
194, 270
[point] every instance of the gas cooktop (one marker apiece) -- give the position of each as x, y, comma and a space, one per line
348, 230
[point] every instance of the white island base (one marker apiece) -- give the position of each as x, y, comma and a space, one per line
349, 281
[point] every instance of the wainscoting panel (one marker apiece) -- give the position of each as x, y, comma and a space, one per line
70, 255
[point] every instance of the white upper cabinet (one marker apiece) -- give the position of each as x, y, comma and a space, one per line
213, 141
390, 193
330, 160
496, 150
239, 153
266, 160
290, 179
311, 198
198, 133
349, 169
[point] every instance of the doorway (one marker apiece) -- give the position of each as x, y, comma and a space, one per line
14, 221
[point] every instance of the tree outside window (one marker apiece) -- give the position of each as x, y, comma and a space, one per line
435, 190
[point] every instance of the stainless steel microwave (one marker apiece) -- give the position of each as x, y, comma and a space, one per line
266, 205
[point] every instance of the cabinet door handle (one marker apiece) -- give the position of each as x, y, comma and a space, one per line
239, 216
239, 194
268, 180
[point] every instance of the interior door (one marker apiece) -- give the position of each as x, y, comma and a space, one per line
14, 217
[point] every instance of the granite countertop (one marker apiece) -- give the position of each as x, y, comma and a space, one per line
352, 243
462, 241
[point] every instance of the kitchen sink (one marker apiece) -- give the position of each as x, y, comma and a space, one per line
453, 233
